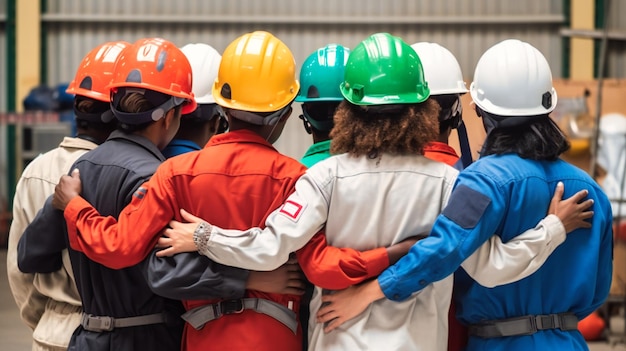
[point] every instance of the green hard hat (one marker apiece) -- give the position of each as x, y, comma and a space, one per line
384, 70
321, 74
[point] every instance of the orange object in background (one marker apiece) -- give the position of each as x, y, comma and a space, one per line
619, 230
578, 147
592, 327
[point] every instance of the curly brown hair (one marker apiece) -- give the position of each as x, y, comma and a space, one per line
405, 131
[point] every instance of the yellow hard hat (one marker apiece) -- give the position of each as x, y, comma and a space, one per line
257, 74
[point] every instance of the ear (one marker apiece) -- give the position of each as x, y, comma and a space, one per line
167, 120
170, 117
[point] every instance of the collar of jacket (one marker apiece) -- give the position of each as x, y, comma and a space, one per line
238, 136
77, 143
139, 140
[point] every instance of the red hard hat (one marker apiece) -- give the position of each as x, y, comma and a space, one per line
95, 71
155, 64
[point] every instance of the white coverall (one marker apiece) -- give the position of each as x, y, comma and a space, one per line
367, 203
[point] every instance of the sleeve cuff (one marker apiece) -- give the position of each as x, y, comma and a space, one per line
387, 282
555, 229
376, 260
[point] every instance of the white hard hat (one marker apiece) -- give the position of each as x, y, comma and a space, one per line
512, 78
205, 62
441, 69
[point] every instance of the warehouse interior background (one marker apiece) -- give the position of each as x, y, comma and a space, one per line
43, 41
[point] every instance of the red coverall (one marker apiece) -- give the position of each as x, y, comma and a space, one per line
236, 181
457, 332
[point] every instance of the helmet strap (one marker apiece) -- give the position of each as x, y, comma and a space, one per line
383, 109
98, 117
456, 113
151, 115
451, 109
307, 124
496, 121
267, 138
255, 118
100, 111
205, 112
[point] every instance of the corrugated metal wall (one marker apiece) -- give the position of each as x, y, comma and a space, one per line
3, 108
3, 57
467, 28
616, 49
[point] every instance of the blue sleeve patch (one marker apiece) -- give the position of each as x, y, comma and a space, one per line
466, 206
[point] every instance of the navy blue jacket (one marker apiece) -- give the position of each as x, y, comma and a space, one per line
110, 174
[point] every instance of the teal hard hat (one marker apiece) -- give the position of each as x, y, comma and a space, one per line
384, 70
321, 74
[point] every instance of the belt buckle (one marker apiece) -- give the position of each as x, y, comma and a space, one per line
99, 323
544, 322
231, 306
533, 325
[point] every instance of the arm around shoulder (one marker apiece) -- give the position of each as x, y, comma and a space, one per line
40, 247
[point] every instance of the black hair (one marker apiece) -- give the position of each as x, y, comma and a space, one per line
88, 114
539, 139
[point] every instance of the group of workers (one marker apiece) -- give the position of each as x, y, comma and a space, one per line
171, 222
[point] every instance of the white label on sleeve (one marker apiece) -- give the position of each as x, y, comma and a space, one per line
291, 210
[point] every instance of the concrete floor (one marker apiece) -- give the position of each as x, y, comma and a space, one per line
15, 336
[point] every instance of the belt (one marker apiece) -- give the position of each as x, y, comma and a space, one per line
199, 316
526, 325
104, 323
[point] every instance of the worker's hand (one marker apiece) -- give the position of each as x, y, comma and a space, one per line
179, 236
572, 211
286, 279
343, 305
68, 188
396, 251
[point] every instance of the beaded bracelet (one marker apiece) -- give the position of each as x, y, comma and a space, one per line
201, 236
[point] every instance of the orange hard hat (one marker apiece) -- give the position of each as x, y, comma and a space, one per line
95, 71
155, 64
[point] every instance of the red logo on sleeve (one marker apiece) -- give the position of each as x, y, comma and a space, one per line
291, 209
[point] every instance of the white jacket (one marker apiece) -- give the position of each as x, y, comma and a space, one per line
49, 303
367, 203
